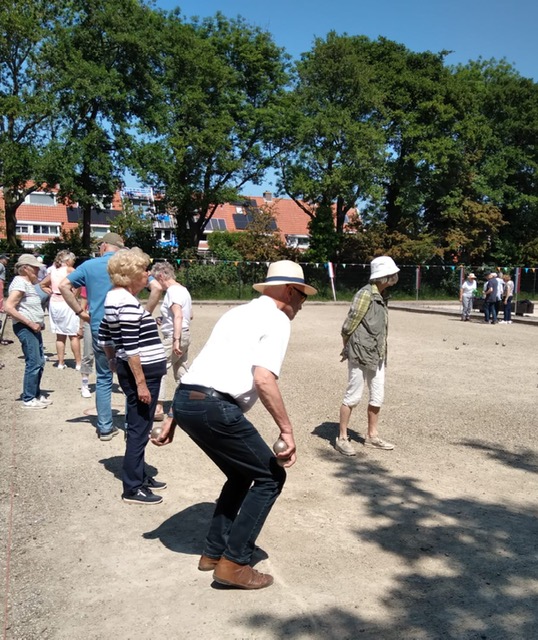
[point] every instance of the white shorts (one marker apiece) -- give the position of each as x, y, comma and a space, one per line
375, 380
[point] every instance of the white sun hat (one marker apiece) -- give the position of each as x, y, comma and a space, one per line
382, 266
285, 272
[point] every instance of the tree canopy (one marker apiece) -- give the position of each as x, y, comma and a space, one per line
440, 162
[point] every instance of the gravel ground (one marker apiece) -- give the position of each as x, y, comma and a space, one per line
436, 539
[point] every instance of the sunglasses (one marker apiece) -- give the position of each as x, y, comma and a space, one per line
301, 293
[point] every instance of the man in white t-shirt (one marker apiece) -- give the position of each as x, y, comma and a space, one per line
240, 362
176, 316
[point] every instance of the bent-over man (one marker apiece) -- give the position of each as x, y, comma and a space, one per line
240, 362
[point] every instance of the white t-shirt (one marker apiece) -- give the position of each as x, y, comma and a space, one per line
30, 304
253, 334
468, 287
176, 294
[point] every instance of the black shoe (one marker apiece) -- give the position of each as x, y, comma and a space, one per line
109, 434
154, 485
142, 496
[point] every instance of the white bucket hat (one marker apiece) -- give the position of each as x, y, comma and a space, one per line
285, 272
382, 266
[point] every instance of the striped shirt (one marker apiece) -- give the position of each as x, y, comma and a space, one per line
130, 329
30, 303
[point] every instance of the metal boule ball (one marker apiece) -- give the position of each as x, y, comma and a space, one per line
279, 446
156, 432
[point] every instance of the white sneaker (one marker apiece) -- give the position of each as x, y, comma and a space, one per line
34, 404
62, 366
85, 392
78, 367
44, 400
344, 446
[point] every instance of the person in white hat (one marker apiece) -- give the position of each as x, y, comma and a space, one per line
240, 363
364, 334
467, 289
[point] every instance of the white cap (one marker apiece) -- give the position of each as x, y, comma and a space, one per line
382, 266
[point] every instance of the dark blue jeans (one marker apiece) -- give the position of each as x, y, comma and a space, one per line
490, 311
254, 479
139, 420
34, 358
508, 309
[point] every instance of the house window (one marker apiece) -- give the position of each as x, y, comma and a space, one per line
40, 198
21, 228
46, 229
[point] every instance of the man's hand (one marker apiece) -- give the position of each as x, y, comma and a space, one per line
288, 457
167, 433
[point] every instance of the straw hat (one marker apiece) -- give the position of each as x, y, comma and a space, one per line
28, 259
285, 272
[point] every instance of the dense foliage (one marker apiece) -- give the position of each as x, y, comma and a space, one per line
440, 162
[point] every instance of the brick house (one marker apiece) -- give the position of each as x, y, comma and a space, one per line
42, 217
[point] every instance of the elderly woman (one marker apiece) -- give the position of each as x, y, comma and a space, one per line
176, 316
129, 336
364, 334
63, 320
467, 289
24, 306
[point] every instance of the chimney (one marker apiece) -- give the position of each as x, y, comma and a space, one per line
267, 196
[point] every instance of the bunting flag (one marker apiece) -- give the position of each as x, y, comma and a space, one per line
462, 275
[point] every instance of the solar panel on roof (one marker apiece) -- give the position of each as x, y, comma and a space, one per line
240, 221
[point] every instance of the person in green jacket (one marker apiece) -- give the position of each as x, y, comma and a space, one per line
364, 334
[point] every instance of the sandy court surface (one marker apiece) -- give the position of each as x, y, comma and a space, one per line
436, 539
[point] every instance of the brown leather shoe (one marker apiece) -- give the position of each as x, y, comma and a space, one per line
207, 564
242, 576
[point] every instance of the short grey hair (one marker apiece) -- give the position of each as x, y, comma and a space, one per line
163, 268
383, 280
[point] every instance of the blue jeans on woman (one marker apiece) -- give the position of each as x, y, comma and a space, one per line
508, 309
139, 419
254, 478
34, 358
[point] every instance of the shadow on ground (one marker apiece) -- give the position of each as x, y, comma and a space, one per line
472, 565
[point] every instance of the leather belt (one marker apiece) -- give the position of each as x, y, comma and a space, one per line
209, 391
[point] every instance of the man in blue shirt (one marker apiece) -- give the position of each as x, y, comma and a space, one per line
93, 275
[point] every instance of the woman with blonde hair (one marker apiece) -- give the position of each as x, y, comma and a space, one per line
63, 320
129, 336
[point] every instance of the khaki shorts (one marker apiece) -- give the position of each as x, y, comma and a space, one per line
357, 377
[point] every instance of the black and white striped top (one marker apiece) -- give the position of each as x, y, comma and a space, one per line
130, 329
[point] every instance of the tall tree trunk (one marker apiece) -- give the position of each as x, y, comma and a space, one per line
86, 225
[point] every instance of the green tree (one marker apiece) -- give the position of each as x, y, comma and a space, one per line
28, 102
210, 131
105, 60
332, 141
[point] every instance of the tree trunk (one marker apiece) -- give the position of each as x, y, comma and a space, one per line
86, 225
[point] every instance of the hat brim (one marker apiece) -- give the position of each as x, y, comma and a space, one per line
305, 288
36, 264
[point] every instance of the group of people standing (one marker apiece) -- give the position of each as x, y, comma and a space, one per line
240, 362
498, 291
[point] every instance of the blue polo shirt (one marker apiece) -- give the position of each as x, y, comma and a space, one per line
93, 275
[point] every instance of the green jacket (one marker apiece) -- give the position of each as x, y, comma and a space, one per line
367, 344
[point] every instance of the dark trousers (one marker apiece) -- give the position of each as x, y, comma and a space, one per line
139, 418
490, 311
508, 309
254, 479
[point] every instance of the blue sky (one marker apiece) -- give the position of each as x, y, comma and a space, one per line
469, 28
